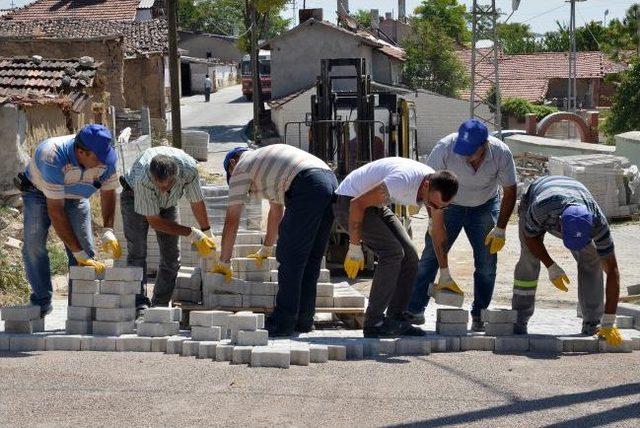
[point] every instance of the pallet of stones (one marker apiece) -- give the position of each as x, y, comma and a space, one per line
103, 305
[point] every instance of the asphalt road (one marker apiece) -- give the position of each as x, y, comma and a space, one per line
472, 388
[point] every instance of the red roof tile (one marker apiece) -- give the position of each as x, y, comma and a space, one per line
93, 10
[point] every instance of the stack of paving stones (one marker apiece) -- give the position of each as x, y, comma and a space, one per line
160, 322
81, 311
188, 285
445, 297
115, 302
22, 319
499, 322
452, 322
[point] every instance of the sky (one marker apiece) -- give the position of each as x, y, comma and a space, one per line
539, 14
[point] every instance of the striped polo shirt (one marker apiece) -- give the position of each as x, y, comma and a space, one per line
547, 198
55, 171
148, 199
267, 173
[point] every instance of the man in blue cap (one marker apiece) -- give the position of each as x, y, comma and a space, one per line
565, 208
483, 165
60, 178
303, 184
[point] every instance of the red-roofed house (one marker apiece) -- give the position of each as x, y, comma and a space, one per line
91, 10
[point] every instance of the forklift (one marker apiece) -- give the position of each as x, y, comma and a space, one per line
384, 125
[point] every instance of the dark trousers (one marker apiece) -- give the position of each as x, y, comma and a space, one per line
392, 283
136, 229
207, 95
302, 242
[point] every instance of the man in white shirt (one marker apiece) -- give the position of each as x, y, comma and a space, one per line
208, 86
482, 165
362, 208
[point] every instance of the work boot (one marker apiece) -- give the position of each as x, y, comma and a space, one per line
416, 319
375, 331
304, 328
589, 328
46, 310
477, 324
276, 330
520, 329
140, 310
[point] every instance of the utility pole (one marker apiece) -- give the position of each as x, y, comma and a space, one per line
255, 75
174, 76
572, 90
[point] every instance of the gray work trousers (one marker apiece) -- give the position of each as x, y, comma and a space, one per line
392, 285
136, 228
590, 281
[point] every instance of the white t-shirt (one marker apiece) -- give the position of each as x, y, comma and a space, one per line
401, 176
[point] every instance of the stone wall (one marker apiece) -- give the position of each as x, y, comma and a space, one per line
13, 124
551, 147
144, 84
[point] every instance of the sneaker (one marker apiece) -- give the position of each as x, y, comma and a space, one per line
375, 331
304, 328
417, 319
589, 328
477, 324
520, 329
405, 328
276, 330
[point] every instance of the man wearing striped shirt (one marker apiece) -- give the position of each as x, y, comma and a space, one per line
564, 208
158, 178
292, 178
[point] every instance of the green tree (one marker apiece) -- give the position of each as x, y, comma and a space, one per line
516, 38
623, 115
362, 17
447, 15
431, 60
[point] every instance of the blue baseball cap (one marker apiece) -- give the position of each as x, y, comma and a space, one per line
229, 156
577, 224
98, 139
471, 135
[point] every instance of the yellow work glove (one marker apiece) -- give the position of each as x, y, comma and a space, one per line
84, 260
354, 261
445, 282
110, 244
262, 254
558, 277
224, 269
495, 240
203, 244
608, 330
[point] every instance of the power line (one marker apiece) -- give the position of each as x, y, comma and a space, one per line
542, 14
586, 25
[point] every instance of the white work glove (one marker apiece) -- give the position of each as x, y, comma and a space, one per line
608, 330
110, 244
558, 277
445, 282
264, 252
84, 260
354, 261
495, 240
203, 244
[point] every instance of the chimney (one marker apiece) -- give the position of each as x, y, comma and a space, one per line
306, 14
375, 19
388, 16
402, 10
343, 6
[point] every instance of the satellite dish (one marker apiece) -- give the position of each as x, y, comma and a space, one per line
515, 4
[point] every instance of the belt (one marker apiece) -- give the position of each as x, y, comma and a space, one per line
125, 185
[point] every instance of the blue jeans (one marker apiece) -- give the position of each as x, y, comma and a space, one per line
36, 231
477, 223
303, 236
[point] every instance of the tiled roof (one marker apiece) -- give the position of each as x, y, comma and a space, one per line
93, 10
139, 37
527, 75
36, 80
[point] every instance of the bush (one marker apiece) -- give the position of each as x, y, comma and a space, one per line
58, 259
13, 283
519, 108
624, 116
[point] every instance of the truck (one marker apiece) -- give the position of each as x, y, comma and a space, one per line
264, 68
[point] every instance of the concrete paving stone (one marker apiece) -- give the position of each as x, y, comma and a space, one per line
82, 272
267, 302
4, 341
498, 329
438, 343
190, 348
477, 343
446, 298
209, 318
267, 356
324, 289
349, 301
90, 286
114, 301
545, 344
216, 283
388, 345
499, 316
162, 315
224, 352
159, 344
337, 352
300, 357
113, 328
324, 302
454, 316
223, 300
79, 327
371, 347
453, 343
625, 321
27, 342
636, 343
174, 344
633, 289
120, 287
243, 321
512, 344
325, 276
24, 327
241, 355
118, 314
262, 288
252, 338
149, 329
579, 343
625, 347
213, 334
318, 353
451, 329
123, 274
82, 299
413, 346
207, 349
249, 238
133, 343
20, 313
98, 343
79, 313
63, 342
243, 250
253, 276
261, 320
246, 264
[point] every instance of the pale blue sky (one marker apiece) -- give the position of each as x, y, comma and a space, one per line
539, 14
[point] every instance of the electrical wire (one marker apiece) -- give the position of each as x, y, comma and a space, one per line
542, 14
586, 25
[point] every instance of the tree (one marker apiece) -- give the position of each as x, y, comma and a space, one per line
447, 15
362, 17
623, 115
516, 38
431, 60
